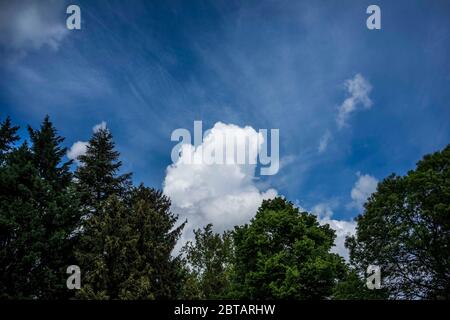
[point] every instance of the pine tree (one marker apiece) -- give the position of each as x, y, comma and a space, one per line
38, 215
106, 248
8, 135
97, 174
128, 235
48, 154
102, 193
20, 245
158, 234
126, 249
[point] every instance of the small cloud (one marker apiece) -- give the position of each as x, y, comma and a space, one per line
99, 126
358, 89
77, 149
322, 210
324, 141
361, 191
343, 228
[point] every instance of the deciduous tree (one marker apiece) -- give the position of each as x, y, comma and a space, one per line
285, 254
405, 229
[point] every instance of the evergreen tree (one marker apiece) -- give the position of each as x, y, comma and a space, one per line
48, 154
209, 260
38, 215
285, 254
97, 175
158, 234
127, 249
20, 245
8, 135
107, 245
36, 224
405, 230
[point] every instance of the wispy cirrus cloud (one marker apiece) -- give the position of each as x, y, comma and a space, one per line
358, 89
324, 141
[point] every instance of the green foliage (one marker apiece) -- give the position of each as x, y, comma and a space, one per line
123, 237
48, 154
128, 234
158, 234
284, 254
405, 229
8, 135
38, 214
209, 260
126, 249
353, 287
97, 175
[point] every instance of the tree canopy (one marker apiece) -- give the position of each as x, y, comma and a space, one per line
285, 254
55, 213
209, 259
39, 213
405, 229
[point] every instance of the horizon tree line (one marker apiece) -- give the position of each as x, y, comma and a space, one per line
122, 235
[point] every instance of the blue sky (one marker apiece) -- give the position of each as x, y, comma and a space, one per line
149, 67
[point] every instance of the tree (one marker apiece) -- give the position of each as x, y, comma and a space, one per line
58, 204
36, 225
353, 287
107, 245
8, 135
405, 230
158, 234
285, 254
209, 260
20, 244
126, 249
97, 175
38, 214
48, 153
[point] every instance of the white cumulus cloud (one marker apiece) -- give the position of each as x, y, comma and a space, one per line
358, 90
77, 149
343, 228
223, 194
99, 126
363, 188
